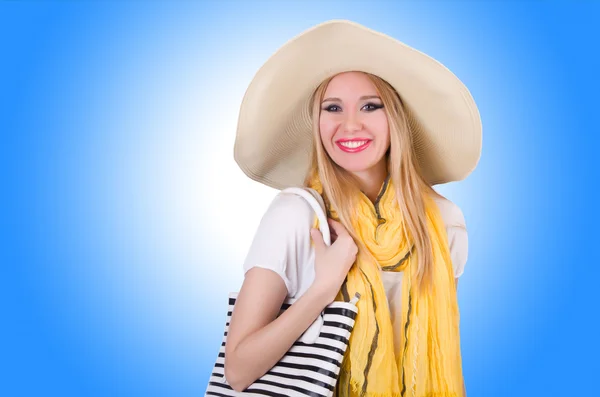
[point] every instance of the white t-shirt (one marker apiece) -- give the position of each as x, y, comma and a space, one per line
282, 243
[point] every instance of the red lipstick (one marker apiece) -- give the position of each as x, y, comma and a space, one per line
353, 148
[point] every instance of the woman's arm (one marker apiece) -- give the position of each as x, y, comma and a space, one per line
257, 340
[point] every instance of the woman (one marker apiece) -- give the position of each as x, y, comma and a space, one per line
368, 125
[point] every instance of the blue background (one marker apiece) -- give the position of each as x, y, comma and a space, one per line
125, 219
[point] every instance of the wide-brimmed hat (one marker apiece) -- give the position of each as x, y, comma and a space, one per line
274, 133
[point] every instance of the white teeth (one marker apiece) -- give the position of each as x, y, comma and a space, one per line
353, 144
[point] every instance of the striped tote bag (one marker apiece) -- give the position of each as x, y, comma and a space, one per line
311, 366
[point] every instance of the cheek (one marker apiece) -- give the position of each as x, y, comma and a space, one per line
381, 129
327, 128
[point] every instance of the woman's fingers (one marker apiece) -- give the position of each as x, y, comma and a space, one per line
338, 228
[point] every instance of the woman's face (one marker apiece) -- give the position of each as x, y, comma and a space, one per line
353, 124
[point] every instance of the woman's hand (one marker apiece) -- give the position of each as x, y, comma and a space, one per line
332, 263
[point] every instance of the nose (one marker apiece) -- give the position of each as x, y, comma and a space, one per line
352, 123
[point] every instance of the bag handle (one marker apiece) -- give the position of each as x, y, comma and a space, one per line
311, 334
316, 206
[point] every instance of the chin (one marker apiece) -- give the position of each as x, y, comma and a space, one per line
356, 166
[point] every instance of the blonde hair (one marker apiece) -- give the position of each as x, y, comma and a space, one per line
341, 190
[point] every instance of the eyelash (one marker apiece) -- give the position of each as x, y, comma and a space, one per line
375, 107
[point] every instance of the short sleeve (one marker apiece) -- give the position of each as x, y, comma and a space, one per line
282, 241
456, 229
459, 244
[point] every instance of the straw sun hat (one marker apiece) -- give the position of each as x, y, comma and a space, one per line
274, 133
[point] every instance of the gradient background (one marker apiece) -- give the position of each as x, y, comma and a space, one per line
125, 219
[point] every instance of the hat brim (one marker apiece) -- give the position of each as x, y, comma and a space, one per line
274, 134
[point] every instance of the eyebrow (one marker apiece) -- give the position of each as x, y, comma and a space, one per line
362, 98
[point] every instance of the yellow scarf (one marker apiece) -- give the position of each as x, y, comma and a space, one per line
430, 363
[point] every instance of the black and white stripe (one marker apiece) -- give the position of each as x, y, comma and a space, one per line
306, 369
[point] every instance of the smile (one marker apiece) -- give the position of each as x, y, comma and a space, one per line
353, 146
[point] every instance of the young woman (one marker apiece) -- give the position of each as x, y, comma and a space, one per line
368, 125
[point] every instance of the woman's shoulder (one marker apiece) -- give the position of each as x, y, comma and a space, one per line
450, 211
293, 205
458, 241
282, 240
290, 211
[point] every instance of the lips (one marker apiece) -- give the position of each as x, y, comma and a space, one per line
354, 148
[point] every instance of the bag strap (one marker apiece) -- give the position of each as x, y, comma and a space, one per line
316, 206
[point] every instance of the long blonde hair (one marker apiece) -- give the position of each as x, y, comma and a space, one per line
340, 188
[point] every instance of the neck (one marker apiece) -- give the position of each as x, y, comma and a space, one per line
371, 180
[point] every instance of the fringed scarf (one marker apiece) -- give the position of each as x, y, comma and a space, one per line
430, 361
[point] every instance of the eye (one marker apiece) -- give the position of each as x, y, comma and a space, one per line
331, 108
372, 106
